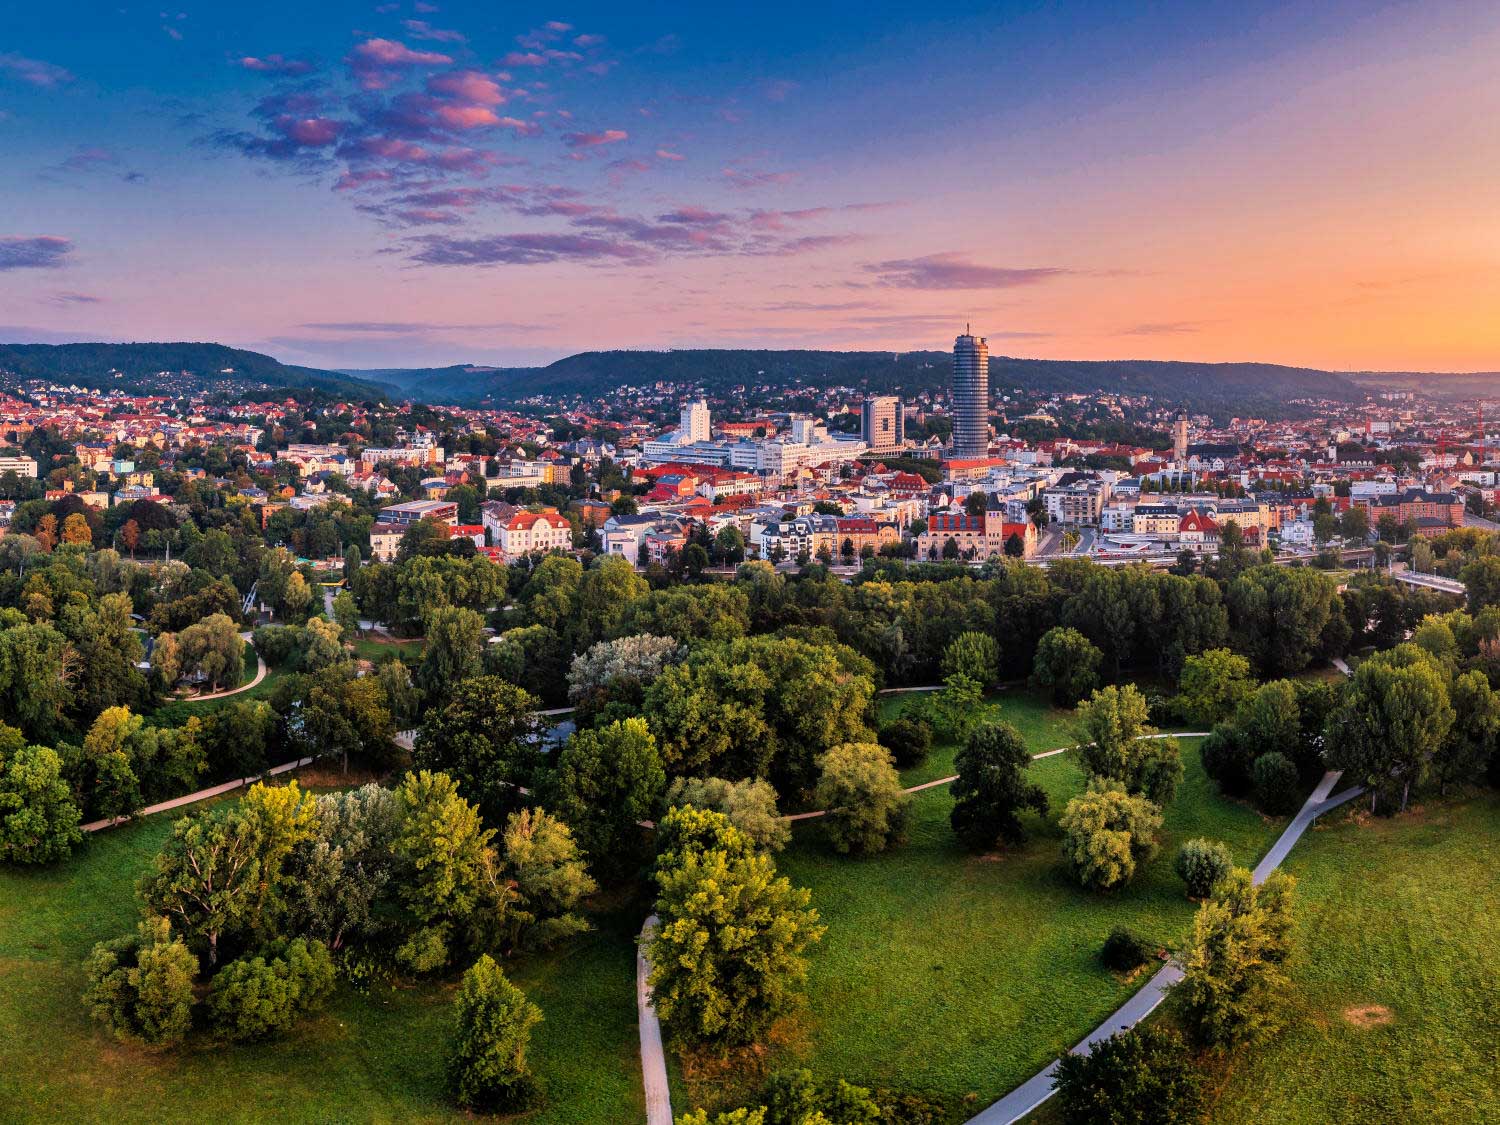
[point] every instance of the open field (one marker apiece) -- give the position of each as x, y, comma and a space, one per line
1396, 1018
1044, 727
375, 1057
963, 975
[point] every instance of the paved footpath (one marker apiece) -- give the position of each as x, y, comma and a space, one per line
1037, 1089
653, 1058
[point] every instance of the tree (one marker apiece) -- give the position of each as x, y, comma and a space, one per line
607, 781
213, 649
618, 670
1068, 663
323, 644
1143, 1076
1275, 779
344, 713
1470, 745
728, 955
339, 874
1118, 745
445, 847
264, 995
130, 536
605, 592
1481, 579
1355, 522
484, 738
454, 649
75, 529
1212, 686
861, 791
38, 817
909, 741
1394, 719
141, 987
749, 806
487, 1067
991, 789
1202, 863
546, 877
975, 655
346, 613
957, 707
1234, 985
1107, 832
1279, 614
352, 559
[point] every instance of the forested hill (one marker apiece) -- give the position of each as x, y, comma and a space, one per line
168, 368
1238, 386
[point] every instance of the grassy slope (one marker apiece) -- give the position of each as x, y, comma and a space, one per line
962, 974
1403, 914
367, 1058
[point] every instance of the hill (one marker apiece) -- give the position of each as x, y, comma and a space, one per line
1239, 387
175, 368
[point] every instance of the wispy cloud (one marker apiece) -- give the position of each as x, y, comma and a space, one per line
523, 249
68, 299
277, 64
34, 72
34, 252
1163, 328
955, 271
421, 29
377, 63
593, 140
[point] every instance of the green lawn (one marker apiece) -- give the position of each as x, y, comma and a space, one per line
1399, 922
376, 1057
964, 975
367, 648
1044, 727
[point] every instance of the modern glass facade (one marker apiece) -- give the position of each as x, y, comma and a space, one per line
971, 397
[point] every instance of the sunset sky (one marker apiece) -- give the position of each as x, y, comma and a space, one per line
395, 184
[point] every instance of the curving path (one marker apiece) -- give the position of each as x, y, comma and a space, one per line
1037, 1089
260, 674
201, 795
653, 1058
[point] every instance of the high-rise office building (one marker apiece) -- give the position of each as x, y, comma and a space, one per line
882, 423
971, 397
693, 424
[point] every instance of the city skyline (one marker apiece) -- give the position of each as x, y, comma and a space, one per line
409, 183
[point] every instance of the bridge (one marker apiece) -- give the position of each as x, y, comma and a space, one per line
1431, 582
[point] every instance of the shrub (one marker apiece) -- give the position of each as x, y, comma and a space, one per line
1144, 1077
1124, 950
861, 790
1200, 863
908, 740
487, 1068
141, 987
1275, 784
261, 996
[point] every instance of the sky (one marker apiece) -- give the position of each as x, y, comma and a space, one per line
411, 183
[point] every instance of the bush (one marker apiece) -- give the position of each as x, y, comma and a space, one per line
141, 987
866, 806
1124, 950
1275, 784
487, 1068
1141, 1077
908, 740
1200, 863
975, 655
261, 996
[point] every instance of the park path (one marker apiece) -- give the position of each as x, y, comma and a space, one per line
653, 1057
260, 674
1037, 1089
200, 795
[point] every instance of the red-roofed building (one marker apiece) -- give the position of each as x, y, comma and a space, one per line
1196, 528
524, 532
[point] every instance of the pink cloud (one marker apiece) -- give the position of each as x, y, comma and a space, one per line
34, 72
593, 140
275, 64
471, 86
352, 180
667, 154
421, 29
375, 61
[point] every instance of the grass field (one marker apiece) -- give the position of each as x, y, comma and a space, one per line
964, 975
1044, 727
376, 1057
1399, 923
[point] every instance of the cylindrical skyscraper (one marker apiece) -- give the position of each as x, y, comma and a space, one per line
971, 397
